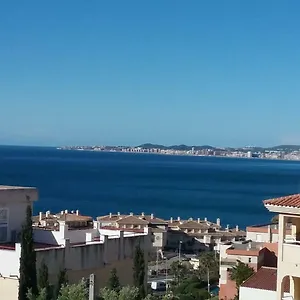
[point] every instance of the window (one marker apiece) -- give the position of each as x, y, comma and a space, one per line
249, 259
3, 224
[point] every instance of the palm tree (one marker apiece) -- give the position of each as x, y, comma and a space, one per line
239, 274
208, 262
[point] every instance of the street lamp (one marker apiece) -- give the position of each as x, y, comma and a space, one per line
179, 252
166, 265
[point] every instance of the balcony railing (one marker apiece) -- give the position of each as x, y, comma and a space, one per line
291, 251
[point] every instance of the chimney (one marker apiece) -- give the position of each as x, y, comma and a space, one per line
218, 222
269, 234
66, 211
110, 215
62, 212
237, 228
227, 227
47, 214
205, 219
198, 220
171, 220
152, 216
131, 214
143, 214
40, 216
178, 219
77, 212
119, 214
249, 245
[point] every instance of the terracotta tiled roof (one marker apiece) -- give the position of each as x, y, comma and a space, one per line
112, 218
69, 217
194, 225
265, 279
74, 217
153, 219
132, 220
287, 201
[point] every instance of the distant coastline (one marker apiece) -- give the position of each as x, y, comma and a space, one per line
282, 152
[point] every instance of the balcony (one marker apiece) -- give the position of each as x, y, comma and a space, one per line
291, 251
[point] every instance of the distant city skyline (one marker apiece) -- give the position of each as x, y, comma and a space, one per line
166, 72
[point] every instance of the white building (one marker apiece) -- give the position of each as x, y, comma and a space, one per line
266, 233
288, 263
64, 241
262, 285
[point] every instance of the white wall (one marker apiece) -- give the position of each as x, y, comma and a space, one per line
10, 261
95, 255
251, 294
16, 201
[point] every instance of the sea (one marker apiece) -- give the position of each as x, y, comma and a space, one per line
98, 183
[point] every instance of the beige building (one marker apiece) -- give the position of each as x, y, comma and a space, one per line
266, 233
288, 268
66, 240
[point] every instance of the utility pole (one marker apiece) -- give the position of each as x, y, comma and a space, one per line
92, 287
166, 274
157, 262
179, 252
208, 284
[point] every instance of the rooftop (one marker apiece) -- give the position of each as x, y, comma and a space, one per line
285, 201
132, 220
247, 248
265, 279
191, 224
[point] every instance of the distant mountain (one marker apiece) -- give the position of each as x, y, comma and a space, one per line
285, 148
182, 147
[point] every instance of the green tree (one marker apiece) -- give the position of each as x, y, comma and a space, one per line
28, 278
180, 271
125, 293
43, 280
208, 262
42, 295
113, 282
239, 274
139, 271
129, 293
74, 292
108, 294
61, 281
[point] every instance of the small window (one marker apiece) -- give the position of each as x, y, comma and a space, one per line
249, 259
3, 234
3, 224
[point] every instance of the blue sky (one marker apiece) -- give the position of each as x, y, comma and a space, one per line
224, 73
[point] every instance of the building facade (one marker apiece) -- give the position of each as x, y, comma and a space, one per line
288, 268
66, 240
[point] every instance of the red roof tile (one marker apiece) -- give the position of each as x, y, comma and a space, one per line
265, 279
287, 201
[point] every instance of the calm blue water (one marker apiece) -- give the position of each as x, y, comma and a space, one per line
99, 183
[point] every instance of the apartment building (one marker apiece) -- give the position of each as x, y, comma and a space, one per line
254, 254
157, 226
288, 265
66, 240
262, 285
267, 233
